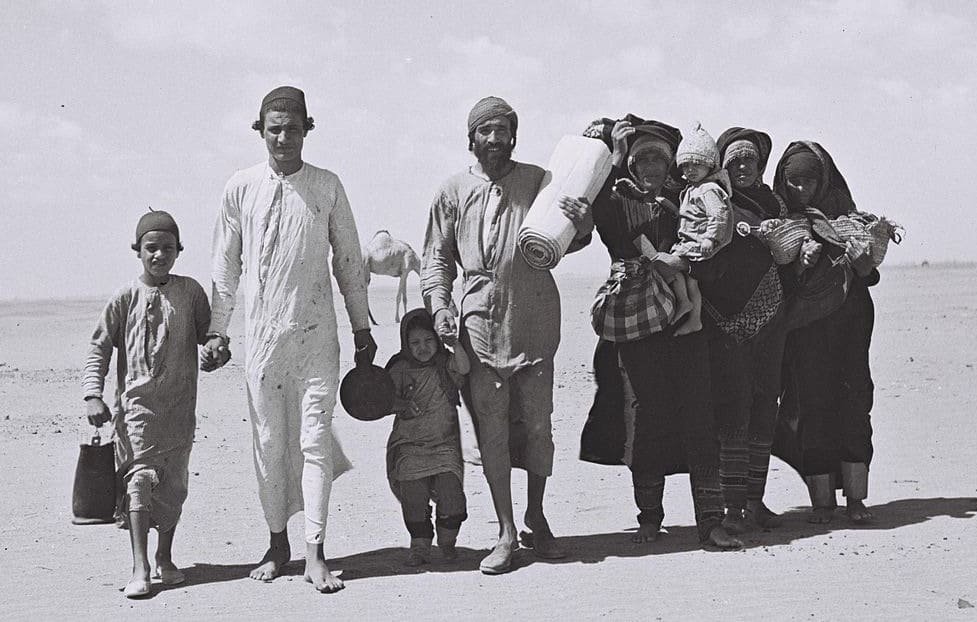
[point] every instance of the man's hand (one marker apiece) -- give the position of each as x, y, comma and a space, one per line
447, 329
578, 211
215, 353
97, 411
364, 345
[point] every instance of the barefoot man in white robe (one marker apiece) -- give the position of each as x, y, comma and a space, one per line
277, 224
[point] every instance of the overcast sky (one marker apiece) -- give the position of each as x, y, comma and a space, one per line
107, 108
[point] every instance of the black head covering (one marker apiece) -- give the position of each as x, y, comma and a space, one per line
832, 198
601, 129
759, 198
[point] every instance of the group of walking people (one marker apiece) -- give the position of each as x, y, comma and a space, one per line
710, 354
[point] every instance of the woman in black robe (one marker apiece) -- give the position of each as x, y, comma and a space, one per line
824, 430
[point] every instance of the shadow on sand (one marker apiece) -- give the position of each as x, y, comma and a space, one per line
595, 548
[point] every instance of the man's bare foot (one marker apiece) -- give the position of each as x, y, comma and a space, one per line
322, 579
167, 572
821, 515
858, 513
138, 585
499, 561
720, 537
762, 516
691, 325
735, 521
646, 533
278, 554
540, 538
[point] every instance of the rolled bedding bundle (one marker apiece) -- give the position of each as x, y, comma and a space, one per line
578, 168
873, 231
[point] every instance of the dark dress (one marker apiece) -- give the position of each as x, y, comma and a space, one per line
827, 382
673, 428
744, 315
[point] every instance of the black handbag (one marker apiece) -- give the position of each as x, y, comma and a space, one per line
94, 494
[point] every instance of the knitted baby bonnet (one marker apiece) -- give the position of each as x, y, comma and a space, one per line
698, 147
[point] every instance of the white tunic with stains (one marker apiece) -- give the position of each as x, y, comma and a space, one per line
280, 235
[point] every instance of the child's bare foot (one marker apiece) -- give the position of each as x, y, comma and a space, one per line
322, 579
278, 554
762, 516
683, 306
720, 537
735, 521
858, 513
692, 324
646, 533
821, 515
138, 585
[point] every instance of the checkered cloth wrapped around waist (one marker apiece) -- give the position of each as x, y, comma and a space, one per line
635, 302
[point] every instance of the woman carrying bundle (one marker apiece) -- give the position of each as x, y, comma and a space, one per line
825, 429
673, 428
744, 314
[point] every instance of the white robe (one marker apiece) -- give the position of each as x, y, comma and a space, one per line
276, 232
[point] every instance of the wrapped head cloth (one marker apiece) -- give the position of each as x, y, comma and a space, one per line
489, 108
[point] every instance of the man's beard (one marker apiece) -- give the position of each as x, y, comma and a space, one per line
491, 160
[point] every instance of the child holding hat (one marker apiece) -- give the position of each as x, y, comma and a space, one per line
155, 322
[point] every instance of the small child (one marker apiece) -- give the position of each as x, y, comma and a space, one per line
705, 218
155, 322
424, 451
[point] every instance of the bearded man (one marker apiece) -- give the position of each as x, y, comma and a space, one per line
510, 317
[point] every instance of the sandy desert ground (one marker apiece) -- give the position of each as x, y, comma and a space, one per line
917, 561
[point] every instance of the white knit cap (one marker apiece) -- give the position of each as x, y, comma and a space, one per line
698, 147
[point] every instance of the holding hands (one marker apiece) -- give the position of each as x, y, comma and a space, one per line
216, 353
445, 326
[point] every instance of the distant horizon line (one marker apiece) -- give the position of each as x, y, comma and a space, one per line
956, 264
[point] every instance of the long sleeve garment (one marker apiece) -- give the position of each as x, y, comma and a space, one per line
705, 215
155, 331
510, 310
278, 233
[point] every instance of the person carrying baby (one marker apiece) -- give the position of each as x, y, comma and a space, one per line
424, 450
705, 217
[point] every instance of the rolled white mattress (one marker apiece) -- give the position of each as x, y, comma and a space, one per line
578, 168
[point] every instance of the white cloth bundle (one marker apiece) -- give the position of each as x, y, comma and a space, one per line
578, 168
